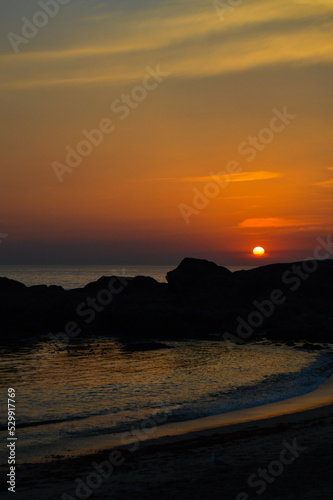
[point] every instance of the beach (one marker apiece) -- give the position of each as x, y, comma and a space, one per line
133, 415
278, 451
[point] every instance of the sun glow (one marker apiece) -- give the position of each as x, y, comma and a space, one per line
258, 251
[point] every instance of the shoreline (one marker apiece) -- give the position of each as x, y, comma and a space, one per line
169, 423
176, 463
291, 409
322, 397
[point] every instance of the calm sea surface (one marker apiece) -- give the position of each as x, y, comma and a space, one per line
78, 276
71, 397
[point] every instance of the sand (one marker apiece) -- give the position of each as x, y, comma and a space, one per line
284, 449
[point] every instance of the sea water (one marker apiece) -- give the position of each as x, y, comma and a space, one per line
69, 396
78, 276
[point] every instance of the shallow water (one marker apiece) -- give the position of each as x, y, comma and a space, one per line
68, 394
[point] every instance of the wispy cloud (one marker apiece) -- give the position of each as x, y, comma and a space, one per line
258, 175
328, 183
269, 222
302, 223
246, 197
188, 39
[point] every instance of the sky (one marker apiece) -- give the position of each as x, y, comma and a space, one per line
144, 132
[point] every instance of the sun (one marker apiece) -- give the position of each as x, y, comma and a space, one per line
258, 251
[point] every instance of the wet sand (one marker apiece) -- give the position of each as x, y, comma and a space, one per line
281, 451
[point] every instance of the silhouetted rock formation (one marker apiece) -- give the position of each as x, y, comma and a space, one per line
200, 300
198, 273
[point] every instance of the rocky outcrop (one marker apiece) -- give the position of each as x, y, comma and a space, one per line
198, 273
200, 300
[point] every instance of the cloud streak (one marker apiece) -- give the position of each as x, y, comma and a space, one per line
302, 223
259, 175
189, 42
326, 184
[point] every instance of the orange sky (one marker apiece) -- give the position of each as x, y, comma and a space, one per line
227, 77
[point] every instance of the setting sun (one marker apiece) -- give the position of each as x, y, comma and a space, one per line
258, 251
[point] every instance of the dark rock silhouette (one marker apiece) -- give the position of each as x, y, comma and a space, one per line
194, 273
200, 300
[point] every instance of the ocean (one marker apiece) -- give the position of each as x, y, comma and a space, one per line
78, 276
73, 397
69, 398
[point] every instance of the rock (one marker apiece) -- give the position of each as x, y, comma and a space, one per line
143, 284
8, 285
199, 300
312, 347
194, 272
105, 283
